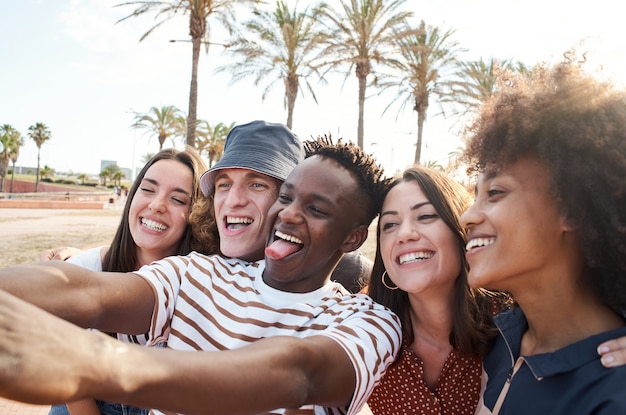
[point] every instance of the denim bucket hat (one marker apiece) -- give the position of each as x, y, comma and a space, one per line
264, 147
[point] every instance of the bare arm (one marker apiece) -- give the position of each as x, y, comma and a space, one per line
271, 373
83, 407
115, 302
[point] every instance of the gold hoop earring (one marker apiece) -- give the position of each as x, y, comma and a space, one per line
385, 284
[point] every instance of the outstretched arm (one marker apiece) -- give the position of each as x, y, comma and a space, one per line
114, 302
271, 373
613, 352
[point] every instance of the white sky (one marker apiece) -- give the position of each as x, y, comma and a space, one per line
67, 64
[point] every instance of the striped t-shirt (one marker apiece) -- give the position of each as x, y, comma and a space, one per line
213, 303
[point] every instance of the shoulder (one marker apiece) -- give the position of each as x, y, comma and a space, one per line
90, 259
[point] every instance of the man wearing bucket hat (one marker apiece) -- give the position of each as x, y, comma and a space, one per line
241, 187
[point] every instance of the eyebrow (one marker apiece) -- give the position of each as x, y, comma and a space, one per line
176, 189
414, 207
316, 196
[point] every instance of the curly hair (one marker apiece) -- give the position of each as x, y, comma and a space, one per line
576, 125
472, 329
369, 174
204, 226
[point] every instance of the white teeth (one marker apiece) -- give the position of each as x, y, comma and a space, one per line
476, 242
414, 257
288, 238
152, 225
230, 219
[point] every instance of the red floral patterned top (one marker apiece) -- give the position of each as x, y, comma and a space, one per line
403, 391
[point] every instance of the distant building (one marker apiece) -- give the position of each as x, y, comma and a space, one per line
126, 171
24, 169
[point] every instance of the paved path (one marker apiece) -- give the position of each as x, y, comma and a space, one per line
18, 222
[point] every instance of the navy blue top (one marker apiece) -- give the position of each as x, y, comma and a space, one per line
568, 381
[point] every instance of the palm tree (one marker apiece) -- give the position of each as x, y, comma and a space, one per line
146, 157
82, 178
427, 65
39, 133
163, 122
9, 142
211, 140
480, 80
279, 45
360, 34
112, 171
14, 154
199, 12
46, 172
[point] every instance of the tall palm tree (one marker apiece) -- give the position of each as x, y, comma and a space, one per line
39, 133
9, 141
163, 122
426, 66
211, 139
199, 12
359, 34
279, 45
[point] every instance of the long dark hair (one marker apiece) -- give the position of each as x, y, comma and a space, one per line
472, 330
122, 254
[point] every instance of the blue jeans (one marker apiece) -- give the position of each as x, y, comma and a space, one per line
107, 408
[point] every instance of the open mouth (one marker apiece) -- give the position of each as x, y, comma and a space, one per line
412, 257
234, 223
479, 242
152, 225
283, 245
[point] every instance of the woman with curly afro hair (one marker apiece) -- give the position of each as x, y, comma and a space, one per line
548, 225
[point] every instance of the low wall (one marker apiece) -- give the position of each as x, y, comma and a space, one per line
55, 197
49, 204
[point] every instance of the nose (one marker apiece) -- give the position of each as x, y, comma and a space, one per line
408, 232
158, 203
236, 196
290, 213
470, 217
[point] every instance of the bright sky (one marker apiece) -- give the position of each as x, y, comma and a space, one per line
67, 64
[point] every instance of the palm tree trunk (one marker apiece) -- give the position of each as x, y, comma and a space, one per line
360, 126
37, 176
192, 119
421, 117
291, 90
12, 177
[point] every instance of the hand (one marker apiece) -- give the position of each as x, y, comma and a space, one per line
613, 352
61, 253
39, 363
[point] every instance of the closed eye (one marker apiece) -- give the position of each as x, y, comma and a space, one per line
428, 217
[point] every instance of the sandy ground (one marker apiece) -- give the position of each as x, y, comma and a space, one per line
24, 233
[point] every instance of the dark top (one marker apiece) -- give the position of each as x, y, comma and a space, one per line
568, 381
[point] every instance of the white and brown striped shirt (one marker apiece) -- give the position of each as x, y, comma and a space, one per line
213, 303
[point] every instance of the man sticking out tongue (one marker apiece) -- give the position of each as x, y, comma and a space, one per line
274, 336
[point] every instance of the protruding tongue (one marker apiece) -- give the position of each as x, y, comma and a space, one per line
280, 248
